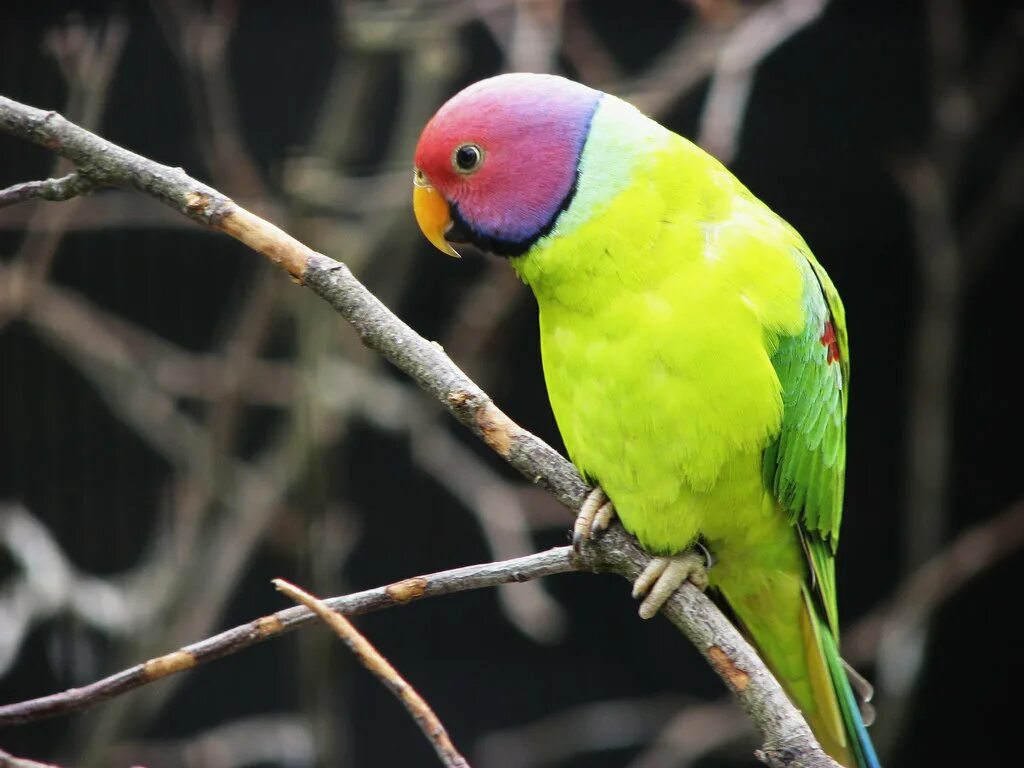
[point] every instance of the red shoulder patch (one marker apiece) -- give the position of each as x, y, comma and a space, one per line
828, 339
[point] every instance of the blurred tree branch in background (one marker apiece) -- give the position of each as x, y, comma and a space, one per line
8, 760
951, 251
951, 256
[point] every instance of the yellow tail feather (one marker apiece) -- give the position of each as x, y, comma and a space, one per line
827, 721
779, 618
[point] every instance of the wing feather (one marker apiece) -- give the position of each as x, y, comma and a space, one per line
805, 466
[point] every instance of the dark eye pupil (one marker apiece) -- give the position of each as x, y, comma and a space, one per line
467, 157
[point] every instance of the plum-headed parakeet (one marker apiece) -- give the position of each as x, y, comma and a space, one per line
695, 355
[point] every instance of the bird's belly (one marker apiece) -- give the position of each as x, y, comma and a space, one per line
672, 432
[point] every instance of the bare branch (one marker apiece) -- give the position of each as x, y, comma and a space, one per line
64, 188
246, 635
114, 209
787, 740
890, 635
87, 58
111, 165
372, 659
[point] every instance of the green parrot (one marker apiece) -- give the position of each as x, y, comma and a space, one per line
695, 355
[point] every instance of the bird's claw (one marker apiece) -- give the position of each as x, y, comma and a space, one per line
594, 516
664, 575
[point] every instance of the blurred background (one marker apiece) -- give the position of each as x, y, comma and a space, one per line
179, 423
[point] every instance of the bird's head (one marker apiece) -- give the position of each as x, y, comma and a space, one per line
498, 162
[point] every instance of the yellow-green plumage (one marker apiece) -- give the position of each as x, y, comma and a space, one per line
681, 328
695, 352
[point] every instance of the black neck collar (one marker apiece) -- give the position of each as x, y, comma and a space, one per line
462, 232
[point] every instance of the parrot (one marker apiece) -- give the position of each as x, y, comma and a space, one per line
695, 356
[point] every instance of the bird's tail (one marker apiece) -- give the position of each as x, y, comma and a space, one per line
860, 747
784, 624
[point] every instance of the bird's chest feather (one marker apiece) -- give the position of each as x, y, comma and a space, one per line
663, 390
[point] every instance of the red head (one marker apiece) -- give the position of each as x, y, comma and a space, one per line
497, 164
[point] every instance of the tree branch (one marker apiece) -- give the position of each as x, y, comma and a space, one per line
64, 188
755, 38
372, 659
568, 735
787, 738
284, 739
247, 635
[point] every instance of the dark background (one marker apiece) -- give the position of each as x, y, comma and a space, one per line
179, 423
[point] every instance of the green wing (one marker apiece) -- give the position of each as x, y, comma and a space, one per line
806, 464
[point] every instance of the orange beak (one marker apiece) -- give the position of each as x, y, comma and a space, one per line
432, 214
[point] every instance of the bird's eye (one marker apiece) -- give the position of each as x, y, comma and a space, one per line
467, 158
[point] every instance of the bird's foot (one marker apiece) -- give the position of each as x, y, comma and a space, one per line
664, 575
594, 516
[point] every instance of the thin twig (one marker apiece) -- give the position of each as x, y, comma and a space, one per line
246, 635
382, 669
87, 58
64, 188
